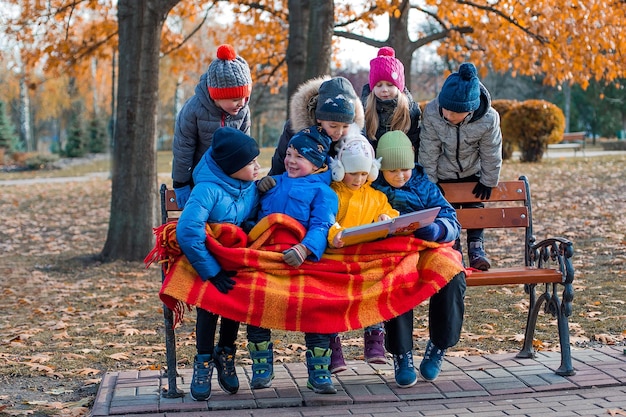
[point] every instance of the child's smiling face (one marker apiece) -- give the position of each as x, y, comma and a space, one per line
297, 165
397, 177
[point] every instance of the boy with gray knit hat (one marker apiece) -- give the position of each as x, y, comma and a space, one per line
221, 99
461, 141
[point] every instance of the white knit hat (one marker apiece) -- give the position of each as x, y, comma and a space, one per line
355, 154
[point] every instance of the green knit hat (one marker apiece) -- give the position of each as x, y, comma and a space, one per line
396, 149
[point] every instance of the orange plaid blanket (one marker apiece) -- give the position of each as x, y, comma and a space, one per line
349, 288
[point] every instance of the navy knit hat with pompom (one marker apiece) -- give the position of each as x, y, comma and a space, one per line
461, 90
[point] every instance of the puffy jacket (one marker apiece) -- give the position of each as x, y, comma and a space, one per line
474, 147
215, 198
302, 115
195, 124
309, 200
419, 193
358, 207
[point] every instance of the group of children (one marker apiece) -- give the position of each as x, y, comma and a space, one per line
340, 162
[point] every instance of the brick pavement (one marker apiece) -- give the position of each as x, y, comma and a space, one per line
488, 385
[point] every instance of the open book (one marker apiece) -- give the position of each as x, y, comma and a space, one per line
402, 225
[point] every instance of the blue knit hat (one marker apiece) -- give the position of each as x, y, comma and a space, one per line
461, 90
335, 101
232, 149
312, 144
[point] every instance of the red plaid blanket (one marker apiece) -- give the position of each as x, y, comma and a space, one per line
349, 288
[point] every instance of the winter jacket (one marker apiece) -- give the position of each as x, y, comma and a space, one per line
474, 147
215, 198
419, 193
309, 200
195, 124
302, 115
358, 207
385, 109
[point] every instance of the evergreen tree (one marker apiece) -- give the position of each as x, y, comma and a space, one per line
7, 131
76, 145
97, 136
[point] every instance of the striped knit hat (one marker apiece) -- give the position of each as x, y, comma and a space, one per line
229, 75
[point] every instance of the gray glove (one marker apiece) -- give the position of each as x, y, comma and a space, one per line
295, 255
265, 184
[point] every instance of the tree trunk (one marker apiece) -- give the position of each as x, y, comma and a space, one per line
296, 48
24, 116
311, 26
134, 193
399, 39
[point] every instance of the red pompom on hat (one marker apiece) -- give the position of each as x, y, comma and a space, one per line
228, 77
386, 67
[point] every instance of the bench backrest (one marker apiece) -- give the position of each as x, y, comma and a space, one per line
508, 207
169, 208
573, 137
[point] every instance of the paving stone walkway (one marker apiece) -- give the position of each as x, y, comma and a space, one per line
488, 385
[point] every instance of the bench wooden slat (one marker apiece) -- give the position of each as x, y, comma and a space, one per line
510, 276
505, 191
493, 217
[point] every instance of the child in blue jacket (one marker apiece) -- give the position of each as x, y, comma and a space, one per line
408, 189
224, 192
302, 192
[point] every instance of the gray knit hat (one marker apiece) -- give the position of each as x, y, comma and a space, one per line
396, 149
229, 75
335, 101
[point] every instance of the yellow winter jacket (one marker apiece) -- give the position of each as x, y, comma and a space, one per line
357, 207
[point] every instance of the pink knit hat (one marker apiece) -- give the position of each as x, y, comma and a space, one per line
385, 67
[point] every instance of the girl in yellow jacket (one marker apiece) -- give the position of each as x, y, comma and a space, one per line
353, 171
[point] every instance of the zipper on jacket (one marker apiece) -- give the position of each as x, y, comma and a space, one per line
458, 146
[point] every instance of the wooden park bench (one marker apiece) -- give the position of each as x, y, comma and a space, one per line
547, 265
571, 140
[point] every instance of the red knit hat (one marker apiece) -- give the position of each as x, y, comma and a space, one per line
385, 67
229, 75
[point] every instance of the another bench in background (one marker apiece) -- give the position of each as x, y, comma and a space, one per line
571, 140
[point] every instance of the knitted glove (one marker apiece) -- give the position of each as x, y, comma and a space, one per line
433, 232
295, 255
223, 281
182, 195
482, 191
265, 184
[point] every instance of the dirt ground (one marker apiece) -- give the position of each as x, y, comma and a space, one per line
67, 319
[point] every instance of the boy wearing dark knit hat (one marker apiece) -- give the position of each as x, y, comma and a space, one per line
224, 192
221, 99
461, 141
408, 189
302, 192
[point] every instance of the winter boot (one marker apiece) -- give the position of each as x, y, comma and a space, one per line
374, 350
405, 370
337, 362
200, 389
262, 355
477, 257
320, 380
224, 358
431, 364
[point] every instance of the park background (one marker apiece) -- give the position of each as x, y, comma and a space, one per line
78, 301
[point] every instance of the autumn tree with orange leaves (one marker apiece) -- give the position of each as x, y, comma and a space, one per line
565, 41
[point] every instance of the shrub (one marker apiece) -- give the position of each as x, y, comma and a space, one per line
533, 124
503, 107
7, 132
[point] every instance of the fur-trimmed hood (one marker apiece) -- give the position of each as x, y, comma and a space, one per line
304, 102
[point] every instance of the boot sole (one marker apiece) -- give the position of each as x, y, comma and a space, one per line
376, 359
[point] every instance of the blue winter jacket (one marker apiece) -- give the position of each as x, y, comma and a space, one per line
193, 133
215, 198
309, 200
419, 193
